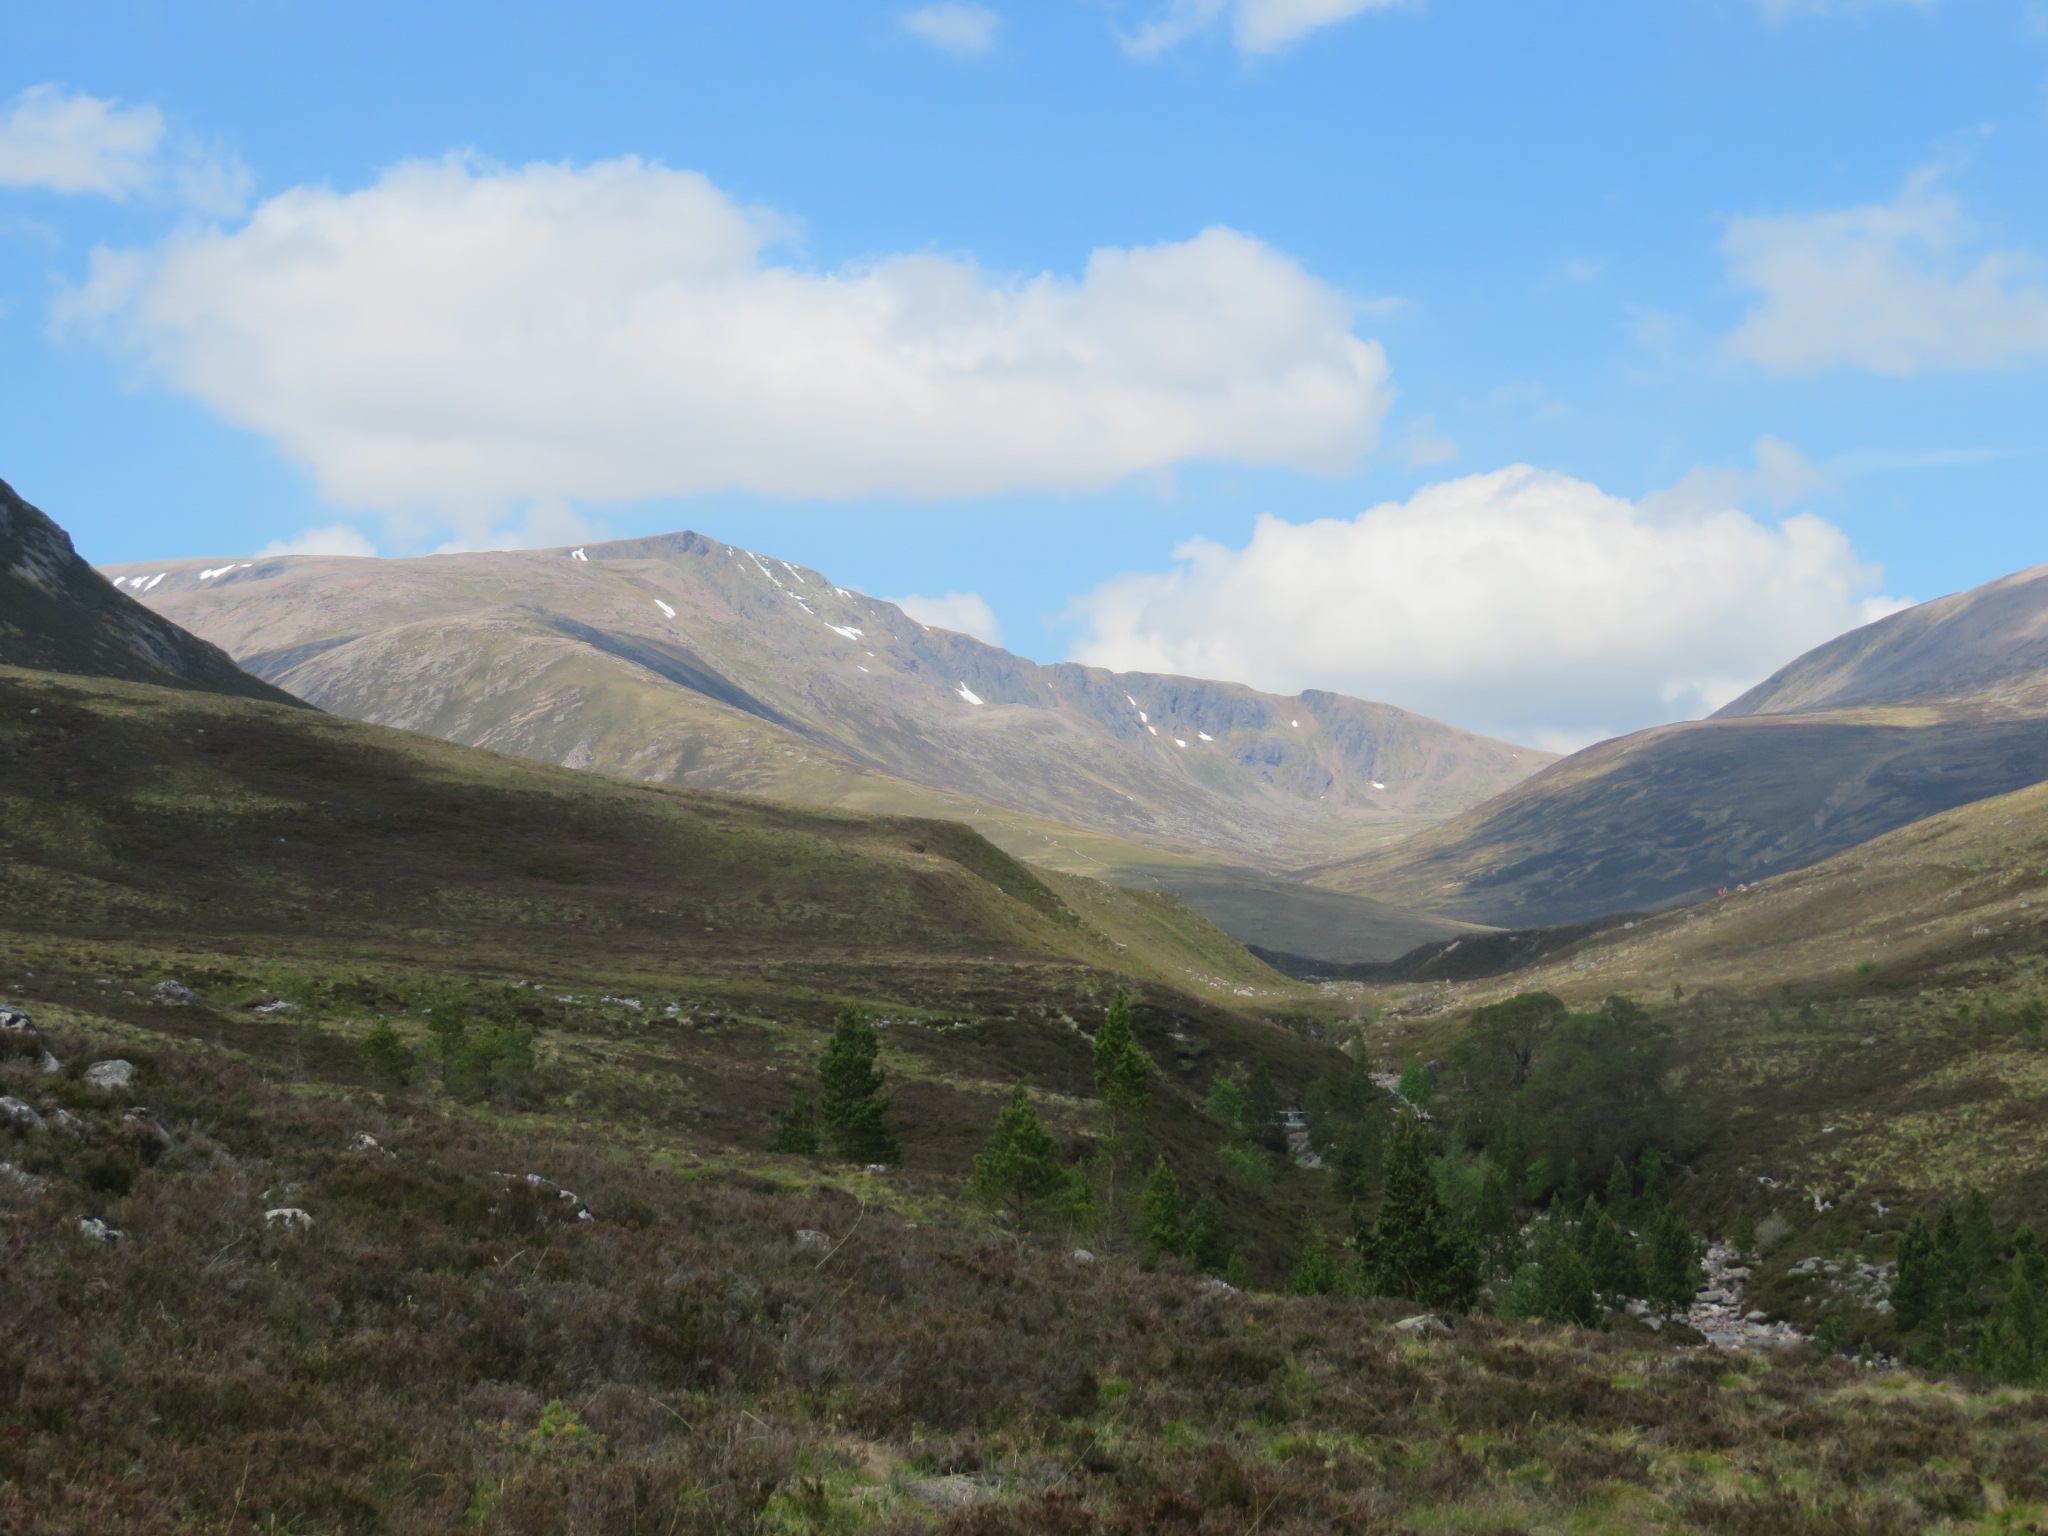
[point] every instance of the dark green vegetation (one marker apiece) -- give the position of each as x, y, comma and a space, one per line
58, 613
682, 660
1926, 710
448, 1348
1972, 1297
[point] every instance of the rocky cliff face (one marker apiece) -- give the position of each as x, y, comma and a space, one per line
57, 614
685, 660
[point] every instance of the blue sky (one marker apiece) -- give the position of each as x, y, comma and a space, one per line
1666, 340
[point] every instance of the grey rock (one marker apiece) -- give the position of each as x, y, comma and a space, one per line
19, 1115
1216, 1284
289, 1217
50, 1065
1083, 1256
65, 1121
173, 992
98, 1231
109, 1074
21, 1179
808, 1241
1422, 1323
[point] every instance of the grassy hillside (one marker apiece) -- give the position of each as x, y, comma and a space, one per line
1676, 813
132, 810
1855, 1042
735, 1340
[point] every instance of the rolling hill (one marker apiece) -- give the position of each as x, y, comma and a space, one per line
1931, 708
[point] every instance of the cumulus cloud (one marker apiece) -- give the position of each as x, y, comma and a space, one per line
66, 141
961, 30
1896, 288
334, 539
457, 337
967, 612
1523, 602
1258, 26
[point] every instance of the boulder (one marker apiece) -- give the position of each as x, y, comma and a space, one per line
288, 1217
109, 1074
808, 1241
1217, 1285
173, 992
21, 1179
1423, 1323
50, 1065
19, 1115
98, 1231
1083, 1256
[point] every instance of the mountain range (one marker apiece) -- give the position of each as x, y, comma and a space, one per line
683, 660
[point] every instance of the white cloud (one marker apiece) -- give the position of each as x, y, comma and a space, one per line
69, 142
334, 539
1892, 287
66, 141
961, 30
1258, 26
542, 525
455, 338
967, 612
1522, 602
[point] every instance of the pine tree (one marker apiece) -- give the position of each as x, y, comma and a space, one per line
2012, 1343
1920, 1285
1123, 1072
1318, 1269
1206, 1244
851, 1107
798, 1130
1977, 1244
1226, 1105
1354, 1160
1610, 1256
1495, 1231
1655, 1176
1161, 1229
1672, 1274
1555, 1285
1620, 1194
1263, 1124
1409, 1250
1020, 1167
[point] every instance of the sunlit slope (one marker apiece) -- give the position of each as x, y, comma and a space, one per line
679, 659
58, 613
1988, 646
135, 810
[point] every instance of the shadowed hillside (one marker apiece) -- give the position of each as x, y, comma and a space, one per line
1929, 709
59, 614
